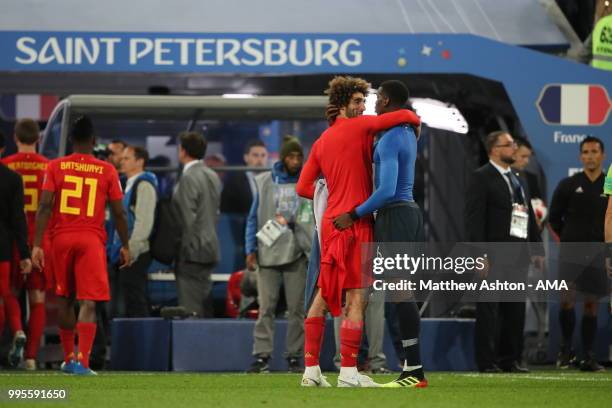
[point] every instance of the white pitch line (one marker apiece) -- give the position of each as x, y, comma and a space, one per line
536, 377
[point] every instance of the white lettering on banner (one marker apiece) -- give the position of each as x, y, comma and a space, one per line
69, 51
560, 137
355, 55
22, 46
276, 47
200, 51
230, 54
184, 50
110, 48
50, 51
328, 54
81, 49
160, 50
250, 47
293, 53
135, 55
166, 51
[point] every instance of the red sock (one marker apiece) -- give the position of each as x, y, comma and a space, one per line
87, 333
36, 326
13, 313
67, 339
314, 327
2, 317
350, 340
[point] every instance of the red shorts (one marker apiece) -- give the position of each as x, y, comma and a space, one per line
5, 273
356, 275
79, 266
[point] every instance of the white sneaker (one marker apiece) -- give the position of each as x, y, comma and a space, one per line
15, 356
356, 380
30, 364
313, 378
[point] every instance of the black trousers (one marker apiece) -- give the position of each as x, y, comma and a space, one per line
133, 282
399, 222
499, 333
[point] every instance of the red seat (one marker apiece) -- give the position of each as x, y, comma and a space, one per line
232, 300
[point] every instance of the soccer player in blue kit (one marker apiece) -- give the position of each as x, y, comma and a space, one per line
399, 218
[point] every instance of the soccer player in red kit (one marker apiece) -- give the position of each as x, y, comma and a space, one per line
75, 190
343, 155
31, 166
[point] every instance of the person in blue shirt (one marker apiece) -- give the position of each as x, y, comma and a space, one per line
399, 218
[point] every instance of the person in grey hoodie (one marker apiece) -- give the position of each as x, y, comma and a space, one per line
282, 260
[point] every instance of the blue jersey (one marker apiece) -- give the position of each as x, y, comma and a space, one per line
394, 159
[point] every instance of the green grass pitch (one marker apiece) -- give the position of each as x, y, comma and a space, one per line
121, 389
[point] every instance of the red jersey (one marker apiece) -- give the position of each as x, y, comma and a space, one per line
82, 185
31, 167
343, 154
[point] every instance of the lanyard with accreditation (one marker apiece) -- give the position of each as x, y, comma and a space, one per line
519, 221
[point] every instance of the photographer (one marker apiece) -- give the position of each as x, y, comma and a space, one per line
281, 257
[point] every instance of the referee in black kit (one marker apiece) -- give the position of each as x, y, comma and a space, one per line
577, 213
13, 228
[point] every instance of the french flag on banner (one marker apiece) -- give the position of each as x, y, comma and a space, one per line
37, 107
574, 104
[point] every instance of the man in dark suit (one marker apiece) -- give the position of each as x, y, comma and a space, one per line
13, 230
196, 200
495, 197
239, 188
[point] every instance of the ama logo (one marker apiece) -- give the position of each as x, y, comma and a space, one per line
574, 104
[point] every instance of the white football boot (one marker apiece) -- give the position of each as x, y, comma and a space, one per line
314, 378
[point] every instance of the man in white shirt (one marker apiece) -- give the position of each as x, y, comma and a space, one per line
140, 200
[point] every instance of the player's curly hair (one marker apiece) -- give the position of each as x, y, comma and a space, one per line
341, 88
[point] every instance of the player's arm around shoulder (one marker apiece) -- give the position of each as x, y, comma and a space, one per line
388, 120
